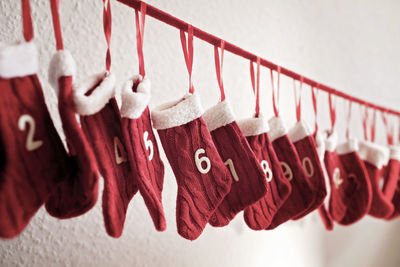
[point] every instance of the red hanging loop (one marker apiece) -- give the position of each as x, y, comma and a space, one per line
297, 99
389, 128
27, 25
107, 30
275, 99
348, 119
364, 116
219, 67
332, 111
256, 87
314, 100
139, 36
54, 4
188, 54
373, 126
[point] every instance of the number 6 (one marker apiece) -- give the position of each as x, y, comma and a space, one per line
199, 161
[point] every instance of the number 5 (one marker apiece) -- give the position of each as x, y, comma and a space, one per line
148, 144
30, 143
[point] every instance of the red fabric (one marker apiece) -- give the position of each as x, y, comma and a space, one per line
381, 206
103, 130
337, 182
259, 215
307, 151
78, 193
357, 189
300, 198
146, 164
251, 186
391, 176
199, 194
30, 165
396, 202
325, 217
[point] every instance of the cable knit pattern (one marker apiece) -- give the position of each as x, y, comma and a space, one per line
198, 194
391, 175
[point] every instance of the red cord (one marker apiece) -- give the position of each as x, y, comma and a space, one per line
27, 25
188, 54
139, 36
297, 99
107, 20
332, 111
256, 87
348, 120
314, 101
54, 4
275, 100
389, 129
219, 63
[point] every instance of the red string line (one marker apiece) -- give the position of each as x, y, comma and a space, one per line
314, 95
297, 98
275, 99
389, 128
107, 30
213, 40
54, 4
348, 120
332, 111
219, 64
188, 54
27, 25
139, 36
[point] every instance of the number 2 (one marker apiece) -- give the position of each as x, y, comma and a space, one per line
30, 143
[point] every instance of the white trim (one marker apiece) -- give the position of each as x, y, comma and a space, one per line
395, 152
299, 131
62, 64
331, 141
178, 112
277, 128
18, 60
254, 126
134, 103
93, 103
219, 115
351, 145
374, 154
320, 142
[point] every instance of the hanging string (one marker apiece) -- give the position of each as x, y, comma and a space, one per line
297, 99
314, 101
107, 20
256, 87
364, 115
275, 100
27, 26
332, 111
348, 120
389, 128
54, 4
188, 54
139, 36
219, 64
373, 127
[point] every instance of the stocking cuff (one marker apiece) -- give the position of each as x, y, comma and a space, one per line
18, 60
395, 152
349, 146
277, 128
134, 103
254, 126
373, 153
299, 131
101, 88
320, 142
62, 64
331, 142
219, 115
177, 113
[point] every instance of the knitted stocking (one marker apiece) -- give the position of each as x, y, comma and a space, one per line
391, 175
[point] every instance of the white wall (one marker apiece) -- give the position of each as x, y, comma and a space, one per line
352, 45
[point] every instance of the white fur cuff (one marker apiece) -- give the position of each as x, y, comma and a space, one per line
61, 65
98, 98
18, 60
349, 146
277, 128
134, 103
373, 153
331, 142
299, 131
320, 142
254, 126
219, 115
177, 113
395, 152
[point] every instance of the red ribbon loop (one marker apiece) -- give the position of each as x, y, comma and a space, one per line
332, 111
364, 116
297, 99
348, 119
107, 30
27, 25
256, 87
188, 54
219, 63
139, 36
275, 99
373, 123
389, 128
314, 101
54, 4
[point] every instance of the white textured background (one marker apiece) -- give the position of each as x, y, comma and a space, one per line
352, 45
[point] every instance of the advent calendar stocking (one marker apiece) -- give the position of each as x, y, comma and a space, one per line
259, 215
301, 197
391, 176
141, 146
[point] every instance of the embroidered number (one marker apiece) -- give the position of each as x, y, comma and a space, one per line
148, 144
337, 180
120, 154
30, 143
267, 170
229, 163
199, 161
308, 167
287, 171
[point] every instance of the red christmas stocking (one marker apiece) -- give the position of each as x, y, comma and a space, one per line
306, 148
142, 148
202, 177
301, 197
33, 158
248, 179
391, 175
259, 215
375, 157
357, 188
78, 193
337, 179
